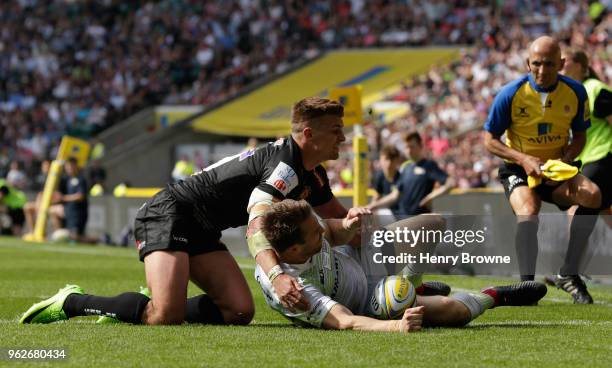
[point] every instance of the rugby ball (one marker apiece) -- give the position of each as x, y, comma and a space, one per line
391, 297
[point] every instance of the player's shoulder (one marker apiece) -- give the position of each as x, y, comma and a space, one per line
283, 149
575, 86
510, 88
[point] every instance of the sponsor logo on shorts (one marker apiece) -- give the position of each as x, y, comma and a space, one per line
140, 244
180, 239
514, 181
283, 178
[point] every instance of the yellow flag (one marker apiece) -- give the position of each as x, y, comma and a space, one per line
554, 170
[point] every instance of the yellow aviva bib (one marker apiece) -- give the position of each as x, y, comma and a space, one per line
536, 121
541, 121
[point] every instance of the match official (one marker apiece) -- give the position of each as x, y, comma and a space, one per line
537, 113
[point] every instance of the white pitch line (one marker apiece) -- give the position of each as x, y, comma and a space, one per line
573, 322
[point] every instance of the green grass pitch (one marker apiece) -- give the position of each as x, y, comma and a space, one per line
556, 333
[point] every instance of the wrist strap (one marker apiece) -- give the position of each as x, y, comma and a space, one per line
275, 272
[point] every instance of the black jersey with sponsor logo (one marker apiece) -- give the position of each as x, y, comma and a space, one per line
220, 193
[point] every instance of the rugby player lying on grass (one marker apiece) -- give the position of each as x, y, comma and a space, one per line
338, 282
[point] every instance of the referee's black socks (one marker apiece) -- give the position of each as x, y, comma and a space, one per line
526, 242
582, 226
126, 307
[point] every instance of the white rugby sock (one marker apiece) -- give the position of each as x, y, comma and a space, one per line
477, 303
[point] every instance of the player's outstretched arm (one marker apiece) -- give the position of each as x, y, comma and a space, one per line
341, 231
287, 288
341, 318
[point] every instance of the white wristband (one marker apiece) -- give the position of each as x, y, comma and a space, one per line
275, 272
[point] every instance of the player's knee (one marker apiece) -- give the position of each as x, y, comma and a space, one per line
593, 197
528, 208
458, 313
239, 314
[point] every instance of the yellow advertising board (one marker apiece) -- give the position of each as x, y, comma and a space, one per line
350, 98
266, 111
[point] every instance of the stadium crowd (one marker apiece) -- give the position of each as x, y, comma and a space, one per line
80, 66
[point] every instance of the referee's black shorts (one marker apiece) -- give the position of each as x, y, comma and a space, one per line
164, 224
513, 176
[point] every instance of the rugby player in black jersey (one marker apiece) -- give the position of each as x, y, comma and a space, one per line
178, 231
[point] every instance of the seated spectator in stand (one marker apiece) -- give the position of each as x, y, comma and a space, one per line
12, 201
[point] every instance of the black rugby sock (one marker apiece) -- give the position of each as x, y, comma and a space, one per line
126, 307
201, 309
582, 226
526, 242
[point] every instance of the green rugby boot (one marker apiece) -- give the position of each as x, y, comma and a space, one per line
103, 320
50, 310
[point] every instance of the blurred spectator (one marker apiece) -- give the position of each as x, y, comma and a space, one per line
386, 178
12, 201
40, 178
73, 189
80, 66
419, 183
16, 177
